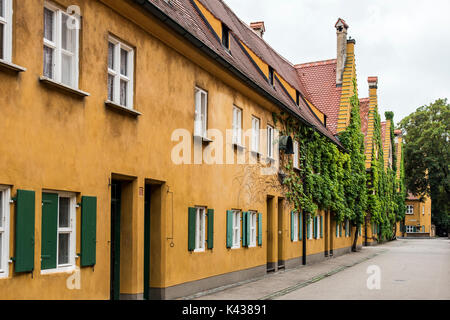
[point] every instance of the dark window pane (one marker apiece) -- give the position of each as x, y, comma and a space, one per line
64, 212
110, 55
48, 62
48, 24
63, 248
2, 28
124, 62
123, 92
2, 9
110, 87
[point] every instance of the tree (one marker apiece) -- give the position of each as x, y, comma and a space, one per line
355, 189
427, 157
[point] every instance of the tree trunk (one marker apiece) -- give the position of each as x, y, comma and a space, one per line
355, 240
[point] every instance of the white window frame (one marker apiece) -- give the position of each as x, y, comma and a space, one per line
71, 230
237, 125
296, 160
7, 22
295, 227
253, 231
201, 113
256, 135
200, 232
311, 228
270, 141
118, 76
5, 232
338, 234
236, 229
409, 209
318, 227
423, 210
409, 229
58, 51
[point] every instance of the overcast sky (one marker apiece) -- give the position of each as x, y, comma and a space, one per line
406, 43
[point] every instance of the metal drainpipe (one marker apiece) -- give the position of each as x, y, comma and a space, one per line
365, 231
304, 238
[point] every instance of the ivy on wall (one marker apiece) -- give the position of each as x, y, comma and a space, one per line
328, 179
331, 179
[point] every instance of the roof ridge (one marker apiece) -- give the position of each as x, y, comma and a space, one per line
314, 63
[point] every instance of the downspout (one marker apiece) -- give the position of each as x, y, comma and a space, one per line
304, 238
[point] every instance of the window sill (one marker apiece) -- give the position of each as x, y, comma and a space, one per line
62, 87
203, 139
256, 153
238, 146
8, 66
296, 168
122, 109
199, 250
69, 270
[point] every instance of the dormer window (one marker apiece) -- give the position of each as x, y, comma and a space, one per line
271, 76
225, 37
297, 97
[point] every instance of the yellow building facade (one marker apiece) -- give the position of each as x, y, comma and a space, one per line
93, 115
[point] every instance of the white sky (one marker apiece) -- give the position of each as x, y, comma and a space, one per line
406, 43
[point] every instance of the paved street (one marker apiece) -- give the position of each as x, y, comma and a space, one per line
408, 269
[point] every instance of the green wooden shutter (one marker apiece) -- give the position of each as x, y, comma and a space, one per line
315, 227
25, 215
210, 228
321, 226
292, 225
340, 229
300, 226
88, 231
192, 217
49, 230
337, 229
244, 229
229, 229
259, 229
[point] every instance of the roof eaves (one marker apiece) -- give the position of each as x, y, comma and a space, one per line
158, 13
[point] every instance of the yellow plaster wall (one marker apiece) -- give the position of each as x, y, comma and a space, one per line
259, 62
215, 23
347, 88
67, 143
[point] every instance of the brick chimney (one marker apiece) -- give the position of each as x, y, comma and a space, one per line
258, 27
341, 32
373, 87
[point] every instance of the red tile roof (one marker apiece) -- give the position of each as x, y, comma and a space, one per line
319, 80
412, 197
184, 13
364, 106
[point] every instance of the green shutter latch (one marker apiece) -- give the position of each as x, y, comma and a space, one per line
13, 259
